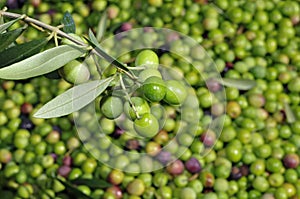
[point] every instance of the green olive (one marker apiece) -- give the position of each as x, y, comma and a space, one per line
147, 125
154, 89
136, 187
140, 107
176, 92
148, 72
147, 58
75, 72
111, 107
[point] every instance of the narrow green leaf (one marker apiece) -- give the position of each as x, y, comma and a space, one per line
73, 190
1, 20
290, 117
6, 25
114, 27
68, 22
22, 51
101, 27
8, 37
42, 63
101, 51
241, 84
73, 99
92, 183
93, 39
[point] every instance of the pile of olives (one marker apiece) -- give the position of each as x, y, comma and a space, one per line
163, 130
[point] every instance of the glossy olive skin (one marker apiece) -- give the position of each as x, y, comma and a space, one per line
147, 125
141, 107
75, 72
176, 93
147, 58
154, 89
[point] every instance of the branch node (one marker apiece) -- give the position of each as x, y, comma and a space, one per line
23, 16
3, 10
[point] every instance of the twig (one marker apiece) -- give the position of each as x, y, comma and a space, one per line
40, 24
128, 97
56, 31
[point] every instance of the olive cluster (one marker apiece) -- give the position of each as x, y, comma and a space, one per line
152, 90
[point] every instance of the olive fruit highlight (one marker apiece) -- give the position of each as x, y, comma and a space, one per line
154, 89
147, 58
147, 125
141, 107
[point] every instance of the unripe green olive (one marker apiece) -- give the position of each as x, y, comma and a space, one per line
154, 89
176, 92
23, 192
147, 58
156, 3
115, 177
5, 156
136, 187
147, 125
111, 107
149, 72
141, 107
75, 72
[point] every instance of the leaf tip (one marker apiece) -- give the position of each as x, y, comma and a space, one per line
38, 115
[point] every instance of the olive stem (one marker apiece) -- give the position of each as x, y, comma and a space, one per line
128, 97
38, 23
97, 64
56, 31
137, 68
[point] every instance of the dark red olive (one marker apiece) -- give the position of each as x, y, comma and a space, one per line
291, 160
176, 167
67, 161
193, 165
208, 138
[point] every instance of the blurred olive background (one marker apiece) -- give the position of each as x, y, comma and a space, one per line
257, 154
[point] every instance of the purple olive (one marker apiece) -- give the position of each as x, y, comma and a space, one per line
64, 171
193, 165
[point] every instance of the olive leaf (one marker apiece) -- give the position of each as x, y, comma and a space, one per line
241, 84
68, 22
73, 190
1, 20
92, 183
290, 117
22, 51
73, 99
101, 27
8, 37
42, 63
93, 40
6, 25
